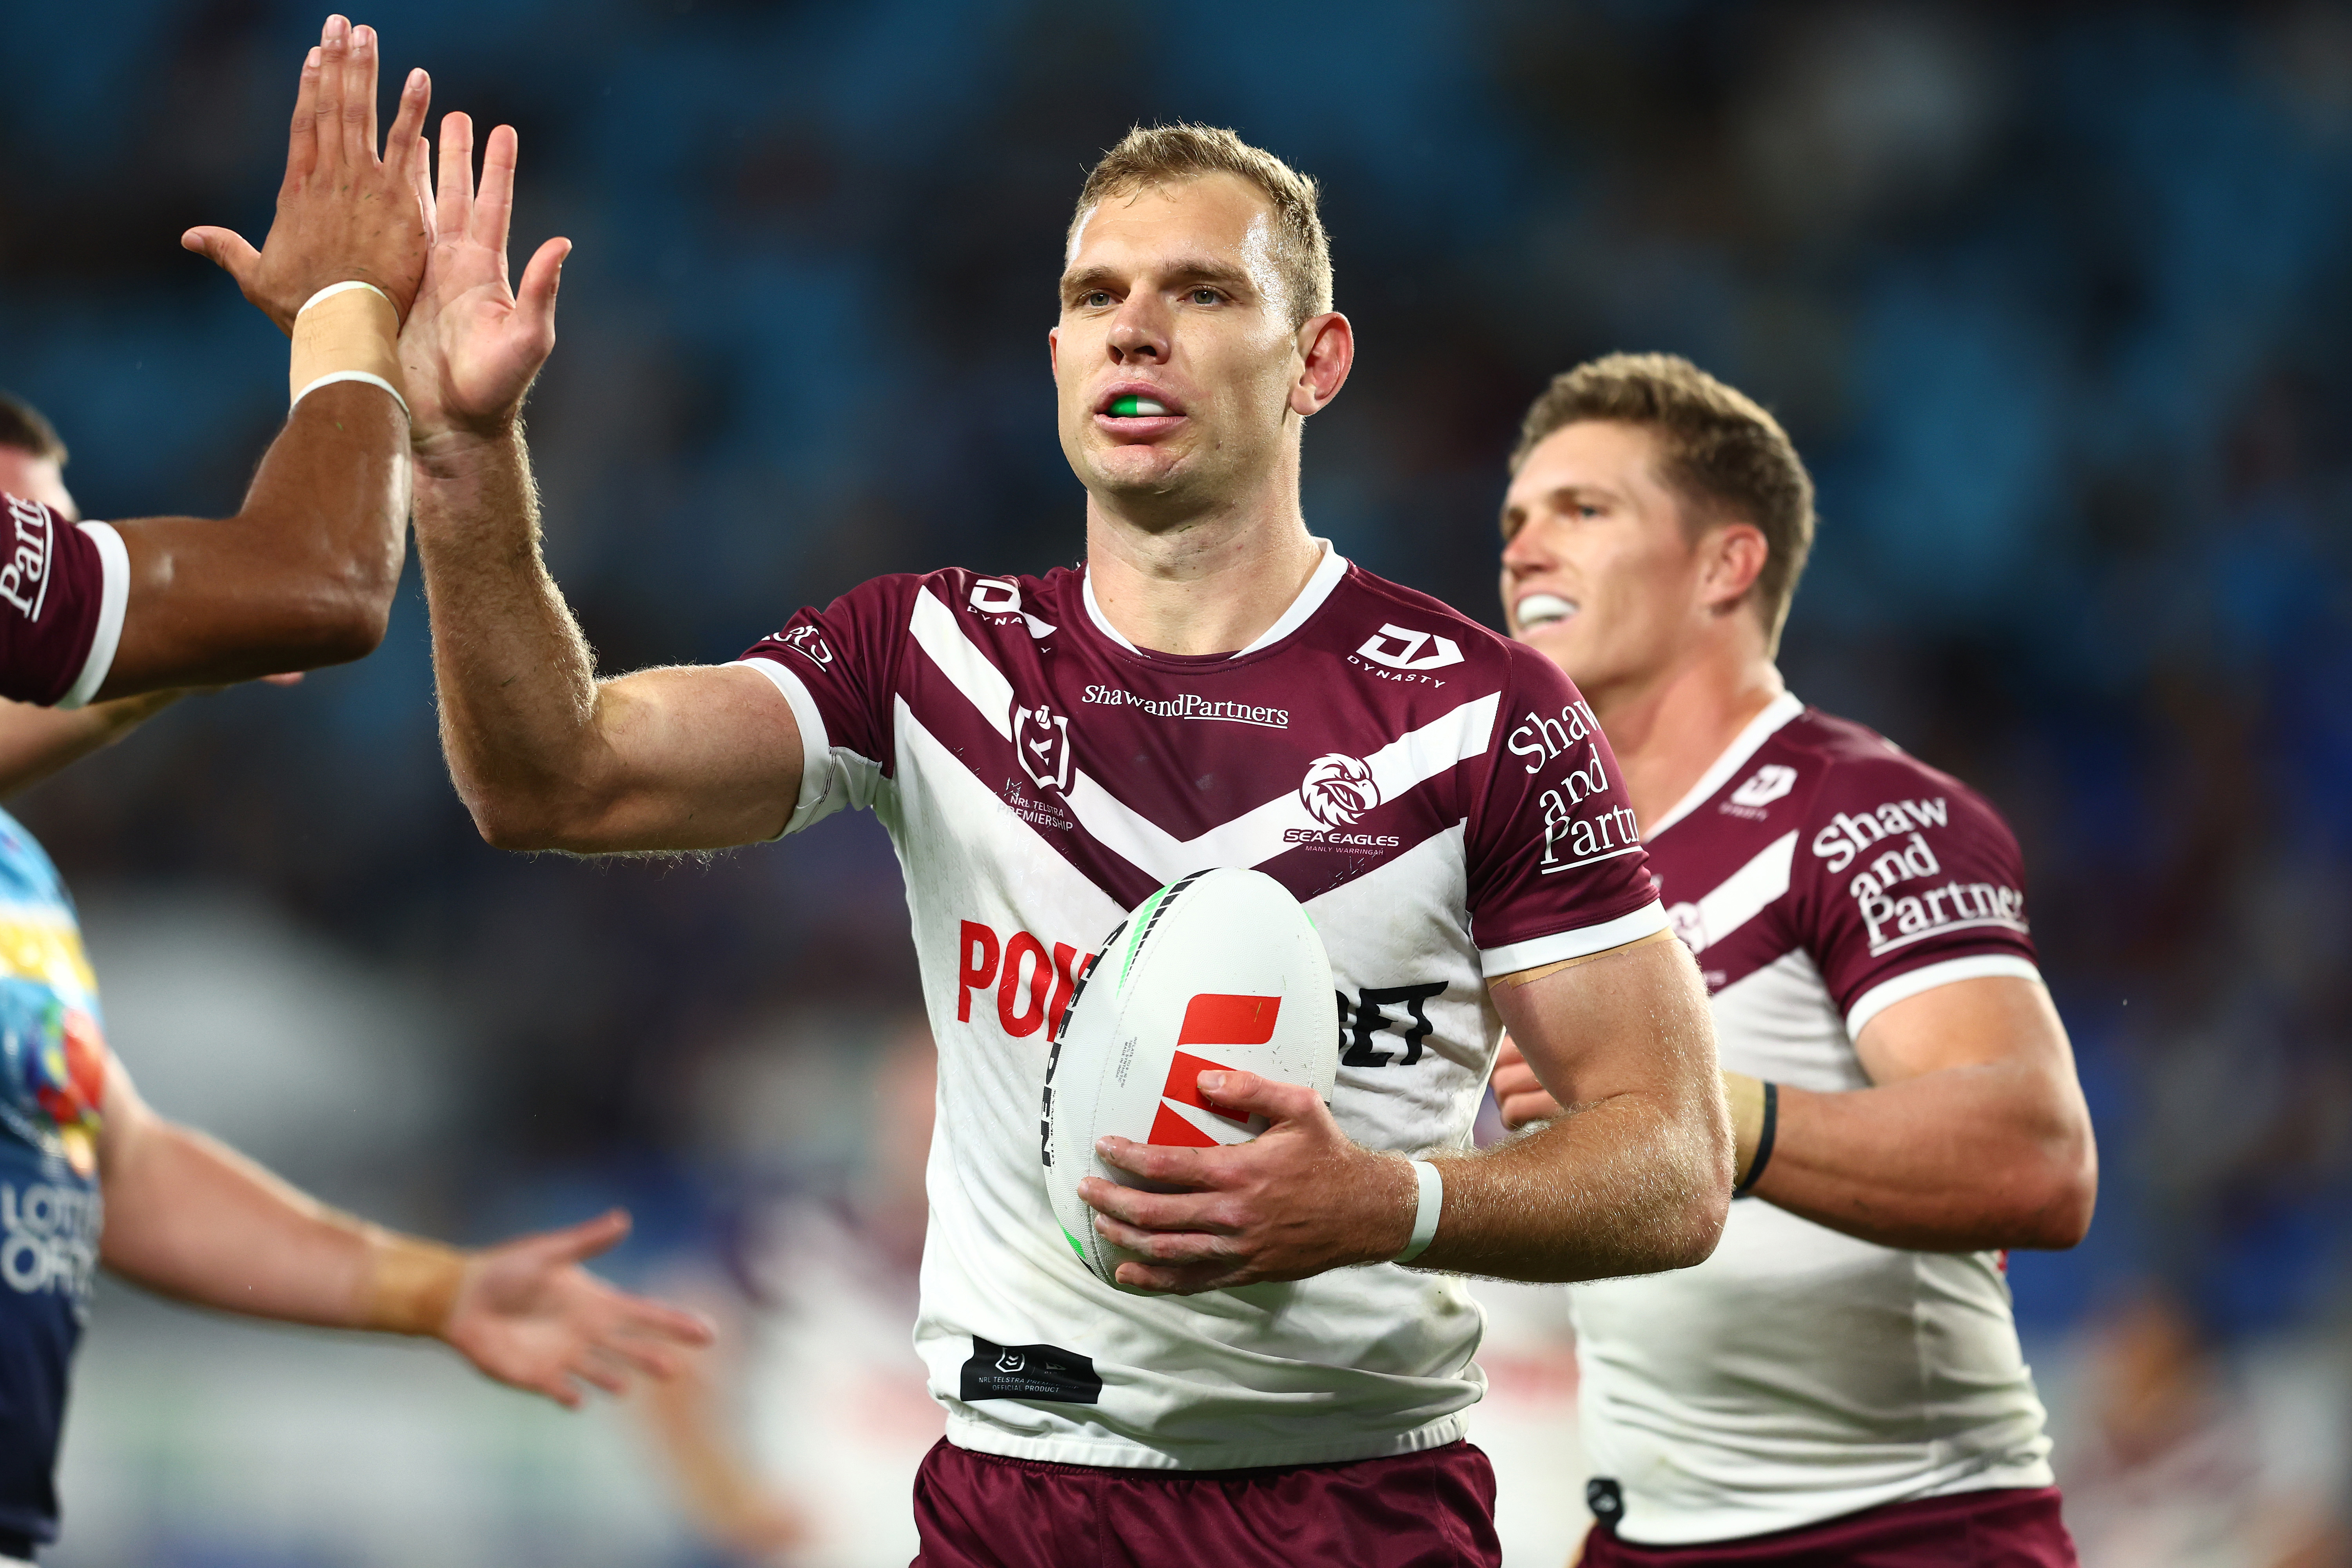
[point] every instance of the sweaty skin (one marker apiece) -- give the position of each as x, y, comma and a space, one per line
1974, 1135
1196, 543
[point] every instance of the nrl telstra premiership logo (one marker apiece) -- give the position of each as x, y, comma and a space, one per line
1339, 790
1043, 738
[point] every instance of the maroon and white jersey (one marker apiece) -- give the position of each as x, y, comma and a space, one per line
1438, 798
1821, 875
62, 589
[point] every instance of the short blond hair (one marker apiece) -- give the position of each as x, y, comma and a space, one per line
1718, 448
1153, 155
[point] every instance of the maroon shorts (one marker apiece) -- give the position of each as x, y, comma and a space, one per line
2011, 1527
1430, 1509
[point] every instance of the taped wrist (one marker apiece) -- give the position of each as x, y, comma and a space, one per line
1755, 1123
347, 332
411, 1284
1428, 1200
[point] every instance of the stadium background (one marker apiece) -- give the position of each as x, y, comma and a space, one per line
2052, 300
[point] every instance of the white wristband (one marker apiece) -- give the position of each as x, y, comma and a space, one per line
332, 289
1424, 1219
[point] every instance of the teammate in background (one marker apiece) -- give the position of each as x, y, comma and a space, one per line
1215, 687
1840, 1382
304, 573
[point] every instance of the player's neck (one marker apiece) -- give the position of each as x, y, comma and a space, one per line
1209, 583
1669, 729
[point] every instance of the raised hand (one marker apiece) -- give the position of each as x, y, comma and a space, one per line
344, 214
528, 1314
473, 347
1296, 1200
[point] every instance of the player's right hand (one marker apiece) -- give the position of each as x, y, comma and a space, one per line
1521, 1098
473, 347
344, 214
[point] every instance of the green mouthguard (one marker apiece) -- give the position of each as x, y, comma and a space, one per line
1126, 407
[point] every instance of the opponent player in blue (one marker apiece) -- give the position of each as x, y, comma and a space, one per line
91, 1175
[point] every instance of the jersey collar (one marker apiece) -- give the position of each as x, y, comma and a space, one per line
1327, 573
1760, 729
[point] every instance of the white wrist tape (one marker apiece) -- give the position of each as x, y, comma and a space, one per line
1424, 1219
346, 331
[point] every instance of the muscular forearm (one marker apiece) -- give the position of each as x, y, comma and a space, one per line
303, 576
1964, 1159
1635, 1176
519, 694
1625, 1187
191, 1218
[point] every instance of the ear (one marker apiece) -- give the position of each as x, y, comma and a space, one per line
1054, 350
1731, 557
1327, 351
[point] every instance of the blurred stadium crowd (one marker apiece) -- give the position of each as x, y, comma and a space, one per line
2052, 300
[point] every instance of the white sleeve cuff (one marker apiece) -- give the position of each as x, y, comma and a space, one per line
816, 751
1887, 992
113, 595
1496, 962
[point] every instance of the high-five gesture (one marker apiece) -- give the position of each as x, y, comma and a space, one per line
473, 346
531, 1316
344, 214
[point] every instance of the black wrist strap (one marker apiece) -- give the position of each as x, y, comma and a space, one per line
1763, 1140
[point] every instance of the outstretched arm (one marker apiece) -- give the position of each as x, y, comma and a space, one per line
544, 756
304, 573
1973, 1135
191, 1218
1634, 1179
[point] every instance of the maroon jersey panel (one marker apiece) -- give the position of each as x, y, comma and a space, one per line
1831, 841
1551, 831
52, 584
1375, 724
847, 654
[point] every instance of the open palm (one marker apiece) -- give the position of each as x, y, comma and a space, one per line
528, 1314
473, 344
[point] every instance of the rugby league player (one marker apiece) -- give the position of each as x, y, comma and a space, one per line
1840, 1382
1214, 687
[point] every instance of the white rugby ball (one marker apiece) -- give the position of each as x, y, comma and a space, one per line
1222, 970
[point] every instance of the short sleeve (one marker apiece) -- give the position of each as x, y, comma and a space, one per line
62, 590
1915, 881
837, 667
1555, 865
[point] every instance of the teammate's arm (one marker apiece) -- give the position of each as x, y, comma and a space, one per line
191, 1218
544, 756
1634, 1179
1974, 1135
304, 573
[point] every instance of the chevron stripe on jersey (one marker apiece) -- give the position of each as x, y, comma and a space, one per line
1820, 875
1436, 796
